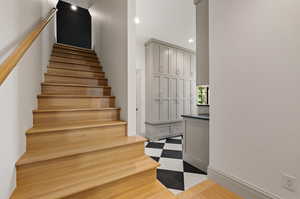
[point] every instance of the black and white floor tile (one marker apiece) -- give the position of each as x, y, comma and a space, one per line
176, 174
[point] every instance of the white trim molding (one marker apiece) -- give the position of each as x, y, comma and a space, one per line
238, 186
152, 40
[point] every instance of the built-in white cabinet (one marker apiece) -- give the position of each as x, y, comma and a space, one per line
170, 88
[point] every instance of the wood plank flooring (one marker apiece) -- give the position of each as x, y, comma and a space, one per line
208, 190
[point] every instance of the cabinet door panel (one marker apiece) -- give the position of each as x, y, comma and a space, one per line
177, 129
193, 97
164, 87
173, 98
155, 103
180, 63
172, 61
155, 110
155, 51
187, 65
180, 98
164, 59
193, 67
164, 110
164, 98
155, 87
187, 97
163, 131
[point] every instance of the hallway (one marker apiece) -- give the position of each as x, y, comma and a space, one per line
69, 114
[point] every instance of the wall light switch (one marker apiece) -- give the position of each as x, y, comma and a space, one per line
289, 182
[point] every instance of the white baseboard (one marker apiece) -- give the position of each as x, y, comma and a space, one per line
240, 187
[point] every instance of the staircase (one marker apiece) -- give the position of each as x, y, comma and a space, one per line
78, 148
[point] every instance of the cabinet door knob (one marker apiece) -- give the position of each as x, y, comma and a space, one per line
161, 69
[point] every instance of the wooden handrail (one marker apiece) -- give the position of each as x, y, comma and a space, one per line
9, 63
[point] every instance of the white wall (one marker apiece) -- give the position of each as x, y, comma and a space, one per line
113, 40
18, 92
254, 78
173, 21
131, 66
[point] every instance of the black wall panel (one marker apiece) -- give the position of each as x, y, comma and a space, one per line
73, 27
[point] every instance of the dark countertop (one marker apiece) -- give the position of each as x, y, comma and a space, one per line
199, 116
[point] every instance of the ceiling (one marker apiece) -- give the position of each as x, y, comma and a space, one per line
81, 3
172, 21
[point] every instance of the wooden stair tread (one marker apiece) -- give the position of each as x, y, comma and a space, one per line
75, 69
73, 126
73, 85
98, 78
60, 71
65, 46
72, 110
55, 57
68, 69
77, 148
64, 62
84, 179
74, 53
76, 57
73, 96
154, 190
208, 190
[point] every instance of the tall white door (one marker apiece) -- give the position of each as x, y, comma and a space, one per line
138, 101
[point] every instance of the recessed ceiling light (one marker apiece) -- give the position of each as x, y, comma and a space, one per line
73, 7
191, 40
137, 20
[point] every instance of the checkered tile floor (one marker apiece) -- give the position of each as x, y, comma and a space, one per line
174, 173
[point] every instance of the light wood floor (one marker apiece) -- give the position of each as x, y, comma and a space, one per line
208, 190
